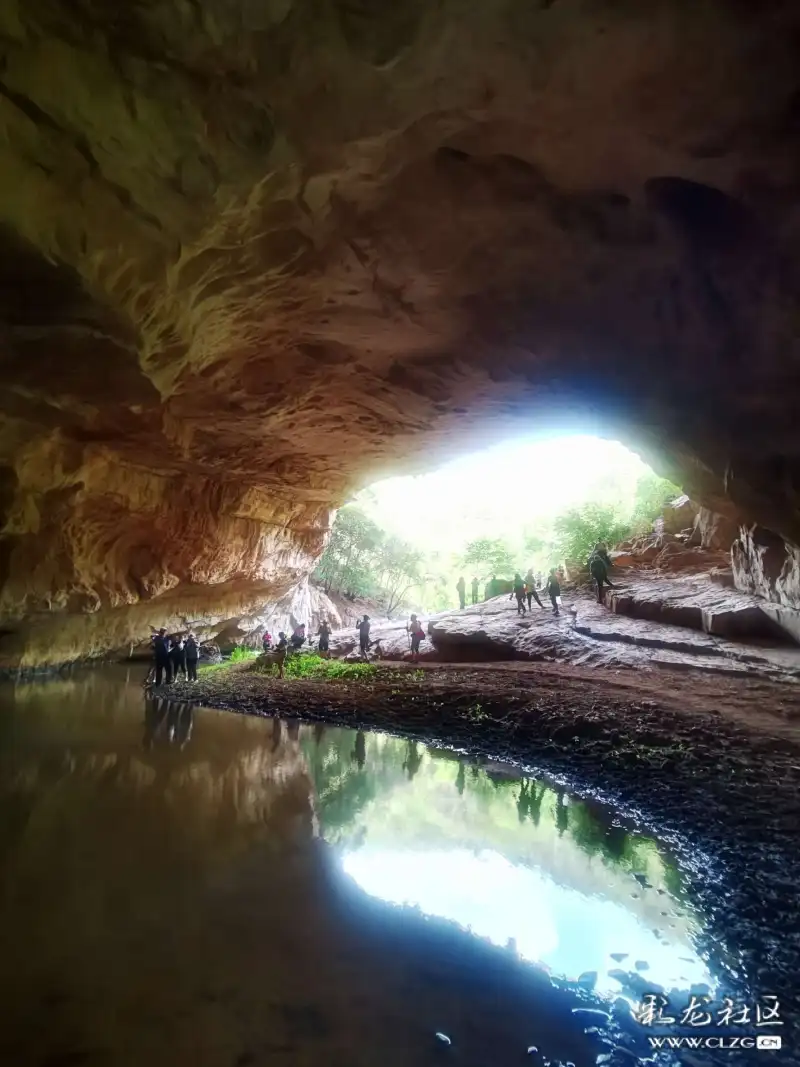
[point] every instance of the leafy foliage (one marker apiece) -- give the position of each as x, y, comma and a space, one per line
346, 564
241, 655
490, 555
362, 559
579, 529
652, 493
310, 665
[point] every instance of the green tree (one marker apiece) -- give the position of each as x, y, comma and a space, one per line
347, 564
579, 529
399, 569
652, 493
491, 555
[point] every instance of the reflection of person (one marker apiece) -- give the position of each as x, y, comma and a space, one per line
413, 760
155, 715
461, 779
360, 750
277, 733
185, 724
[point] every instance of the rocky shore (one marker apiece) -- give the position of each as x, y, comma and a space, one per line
711, 764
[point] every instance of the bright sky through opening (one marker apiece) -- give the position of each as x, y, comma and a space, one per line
499, 490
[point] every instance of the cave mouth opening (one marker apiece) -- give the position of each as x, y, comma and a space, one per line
528, 503
501, 490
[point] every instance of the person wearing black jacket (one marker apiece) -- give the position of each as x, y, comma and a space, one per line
599, 565
161, 653
192, 655
177, 655
553, 588
530, 589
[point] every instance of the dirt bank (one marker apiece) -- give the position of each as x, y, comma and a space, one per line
710, 764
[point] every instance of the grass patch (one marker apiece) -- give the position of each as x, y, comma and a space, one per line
241, 655
208, 668
310, 665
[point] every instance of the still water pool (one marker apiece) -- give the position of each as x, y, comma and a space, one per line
192, 886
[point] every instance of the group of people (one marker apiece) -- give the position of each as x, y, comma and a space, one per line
174, 655
461, 586
414, 629
297, 639
525, 590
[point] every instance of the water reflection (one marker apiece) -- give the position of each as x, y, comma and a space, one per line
510, 859
167, 898
167, 723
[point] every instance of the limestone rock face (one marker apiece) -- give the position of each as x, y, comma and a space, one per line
765, 565
715, 532
254, 254
676, 516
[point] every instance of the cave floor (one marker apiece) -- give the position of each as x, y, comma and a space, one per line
709, 763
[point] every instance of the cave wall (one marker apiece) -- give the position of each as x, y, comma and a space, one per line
765, 565
254, 255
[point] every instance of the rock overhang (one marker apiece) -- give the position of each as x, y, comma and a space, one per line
253, 257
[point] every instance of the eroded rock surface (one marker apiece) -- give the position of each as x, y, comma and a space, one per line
255, 254
765, 565
584, 634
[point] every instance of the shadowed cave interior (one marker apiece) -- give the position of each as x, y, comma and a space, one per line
254, 257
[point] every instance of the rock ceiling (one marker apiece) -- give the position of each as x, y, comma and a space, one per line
255, 252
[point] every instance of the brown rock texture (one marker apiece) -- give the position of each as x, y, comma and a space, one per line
765, 565
587, 634
715, 532
256, 254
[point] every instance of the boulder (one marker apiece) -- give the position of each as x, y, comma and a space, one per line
714, 531
763, 564
678, 515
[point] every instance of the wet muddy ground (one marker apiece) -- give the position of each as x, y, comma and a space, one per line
711, 765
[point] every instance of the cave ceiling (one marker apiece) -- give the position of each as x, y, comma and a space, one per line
256, 252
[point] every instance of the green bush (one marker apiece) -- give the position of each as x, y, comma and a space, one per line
241, 655
310, 665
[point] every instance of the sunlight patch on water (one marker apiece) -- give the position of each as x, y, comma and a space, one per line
565, 930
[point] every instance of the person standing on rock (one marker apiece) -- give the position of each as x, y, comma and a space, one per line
519, 593
461, 586
177, 655
324, 633
161, 653
417, 635
474, 590
530, 589
192, 656
363, 636
598, 568
553, 589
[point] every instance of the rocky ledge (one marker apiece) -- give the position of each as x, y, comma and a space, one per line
588, 634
